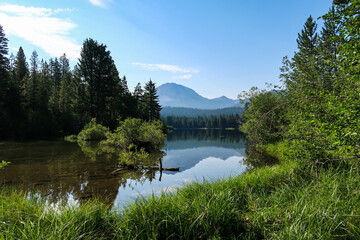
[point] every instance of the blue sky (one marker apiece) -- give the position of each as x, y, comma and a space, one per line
214, 47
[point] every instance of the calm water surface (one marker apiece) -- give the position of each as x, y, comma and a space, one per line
59, 170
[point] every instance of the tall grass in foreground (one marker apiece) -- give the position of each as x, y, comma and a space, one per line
23, 217
278, 202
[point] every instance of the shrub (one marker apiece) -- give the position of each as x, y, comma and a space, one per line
133, 131
93, 132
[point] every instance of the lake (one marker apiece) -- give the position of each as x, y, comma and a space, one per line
59, 170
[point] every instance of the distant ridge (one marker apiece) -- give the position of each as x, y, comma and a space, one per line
176, 95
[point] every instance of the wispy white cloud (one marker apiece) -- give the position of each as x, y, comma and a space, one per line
39, 27
100, 3
167, 68
185, 76
25, 11
31, 11
63, 10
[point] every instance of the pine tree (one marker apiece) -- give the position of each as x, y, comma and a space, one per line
124, 85
152, 106
305, 72
4, 61
330, 40
67, 87
138, 92
98, 72
4, 83
55, 79
138, 103
308, 38
21, 67
44, 86
55, 72
31, 85
4, 67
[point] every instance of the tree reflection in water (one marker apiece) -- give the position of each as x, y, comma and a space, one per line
62, 171
80, 171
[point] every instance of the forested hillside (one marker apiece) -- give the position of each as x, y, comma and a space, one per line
42, 99
194, 112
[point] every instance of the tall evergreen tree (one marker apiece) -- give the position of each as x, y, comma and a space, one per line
44, 86
152, 106
305, 70
138, 92
68, 88
4, 82
4, 66
55, 77
31, 85
55, 71
98, 71
124, 85
21, 66
330, 40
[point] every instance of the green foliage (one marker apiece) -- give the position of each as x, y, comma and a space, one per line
133, 157
324, 124
265, 117
48, 99
318, 110
3, 164
21, 66
93, 132
132, 140
142, 134
104, 89
151, 103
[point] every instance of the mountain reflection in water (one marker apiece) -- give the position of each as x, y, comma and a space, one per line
65, 171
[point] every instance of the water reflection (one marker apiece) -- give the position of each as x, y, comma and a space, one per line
59, 170
256, 158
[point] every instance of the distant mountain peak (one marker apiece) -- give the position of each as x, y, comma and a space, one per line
222, 97
176, 95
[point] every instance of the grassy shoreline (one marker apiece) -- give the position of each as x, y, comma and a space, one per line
278, 202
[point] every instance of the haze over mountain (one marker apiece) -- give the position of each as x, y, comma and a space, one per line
176, 95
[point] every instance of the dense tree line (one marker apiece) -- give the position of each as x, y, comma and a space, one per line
40, 99
317, 112
194, 112
213, 121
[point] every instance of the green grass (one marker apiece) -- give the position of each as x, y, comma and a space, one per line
277, 202
23, 217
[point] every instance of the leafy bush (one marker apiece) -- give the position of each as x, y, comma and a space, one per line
134, 137
133, 131
265, 117
93, 132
